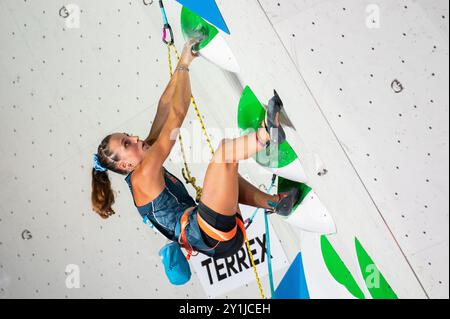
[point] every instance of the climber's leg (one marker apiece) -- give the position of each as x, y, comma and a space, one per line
221, 185
252, 196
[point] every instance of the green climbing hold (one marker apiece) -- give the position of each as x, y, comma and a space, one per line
193, 27
378, 287
251, 113
285, 185
338, 269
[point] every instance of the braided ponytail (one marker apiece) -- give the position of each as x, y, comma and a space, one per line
102, 197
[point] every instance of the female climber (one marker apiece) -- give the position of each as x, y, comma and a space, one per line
214, 227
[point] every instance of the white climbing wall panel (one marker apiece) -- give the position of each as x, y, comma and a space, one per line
396, 143
63, 87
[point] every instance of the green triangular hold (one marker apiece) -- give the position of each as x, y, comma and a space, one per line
378, 287
193, 26
285, 185
250, 115
338, 269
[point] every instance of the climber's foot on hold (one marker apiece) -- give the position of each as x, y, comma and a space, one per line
286, 203
272, 123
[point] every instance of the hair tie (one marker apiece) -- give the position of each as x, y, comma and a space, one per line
97, 165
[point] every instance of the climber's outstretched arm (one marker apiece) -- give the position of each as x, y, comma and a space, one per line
161, 117
176, 113
151, 171
167, 98
161, 148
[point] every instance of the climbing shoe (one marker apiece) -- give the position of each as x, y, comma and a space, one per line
272, 123
287, 202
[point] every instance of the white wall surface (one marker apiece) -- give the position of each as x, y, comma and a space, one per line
63, 89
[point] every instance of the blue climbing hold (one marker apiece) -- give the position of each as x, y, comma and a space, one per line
208, 10
293, 285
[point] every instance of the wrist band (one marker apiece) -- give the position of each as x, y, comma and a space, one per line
182, 68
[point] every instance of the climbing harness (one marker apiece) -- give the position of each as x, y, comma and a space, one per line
183, 238
186, 171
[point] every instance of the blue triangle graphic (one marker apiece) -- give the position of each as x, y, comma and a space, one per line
208, 10
293, 285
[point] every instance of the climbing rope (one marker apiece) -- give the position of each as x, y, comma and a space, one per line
249, 222
269, 254
186, 171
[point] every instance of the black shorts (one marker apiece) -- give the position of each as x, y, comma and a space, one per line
225, 224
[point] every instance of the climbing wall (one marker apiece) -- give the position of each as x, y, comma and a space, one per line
376, 77
379, 75
69, 81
